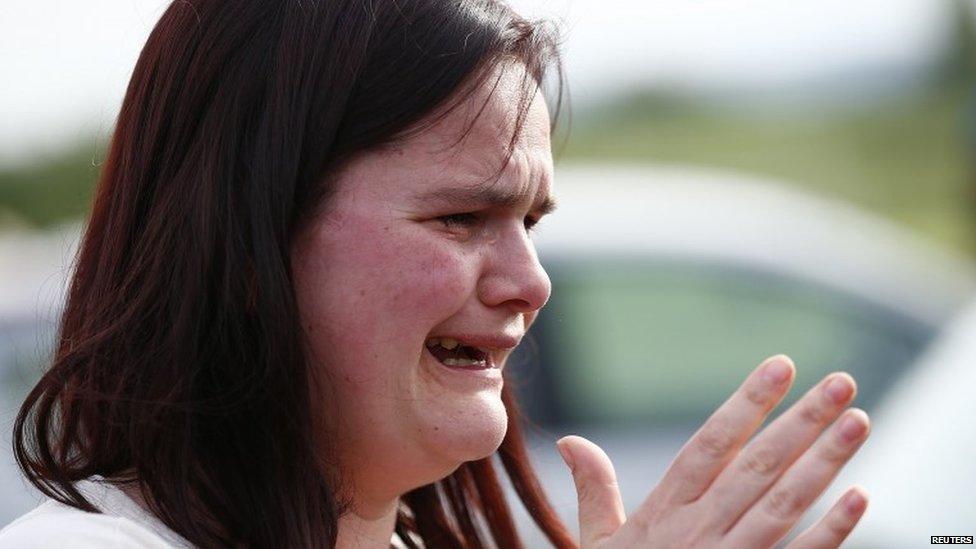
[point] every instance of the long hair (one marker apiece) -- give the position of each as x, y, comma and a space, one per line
179, 364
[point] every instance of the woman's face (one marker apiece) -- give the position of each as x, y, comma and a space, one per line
419, 246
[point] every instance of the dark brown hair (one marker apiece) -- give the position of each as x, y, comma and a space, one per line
179, 365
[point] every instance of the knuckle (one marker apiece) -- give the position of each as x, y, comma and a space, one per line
784, 505
837, 528
716, 440
831, 530
594, 491
756, 395
833, 453
812, 414
762, 461
694, 538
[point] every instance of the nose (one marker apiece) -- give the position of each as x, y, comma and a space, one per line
514, 278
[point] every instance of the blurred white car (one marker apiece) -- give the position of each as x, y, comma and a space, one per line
919, 465
670, 284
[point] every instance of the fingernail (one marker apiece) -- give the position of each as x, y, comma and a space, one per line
852, 428
839, 389
777, 371
854, 503
567, 456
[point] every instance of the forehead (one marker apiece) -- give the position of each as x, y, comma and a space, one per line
469, 147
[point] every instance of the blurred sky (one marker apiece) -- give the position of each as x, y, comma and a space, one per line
64, 64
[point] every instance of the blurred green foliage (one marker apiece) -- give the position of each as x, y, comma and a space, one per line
905, 158
48, 192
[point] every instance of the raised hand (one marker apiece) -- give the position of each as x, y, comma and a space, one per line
720, 491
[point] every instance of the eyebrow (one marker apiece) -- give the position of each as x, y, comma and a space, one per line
485, 196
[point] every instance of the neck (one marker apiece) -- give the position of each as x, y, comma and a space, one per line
367, 527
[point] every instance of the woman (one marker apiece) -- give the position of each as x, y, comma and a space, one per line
306, 265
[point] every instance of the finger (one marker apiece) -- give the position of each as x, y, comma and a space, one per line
831, 530
767, 456
601, 511
772, 516
710, 449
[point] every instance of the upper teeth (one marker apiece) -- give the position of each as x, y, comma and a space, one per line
445, 342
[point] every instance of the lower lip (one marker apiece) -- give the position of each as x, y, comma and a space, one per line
464, 378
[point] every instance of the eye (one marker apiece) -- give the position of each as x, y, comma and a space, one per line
458, 221
470, 219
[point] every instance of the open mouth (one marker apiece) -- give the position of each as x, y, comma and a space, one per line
454, 354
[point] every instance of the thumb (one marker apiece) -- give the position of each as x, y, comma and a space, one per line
601, 511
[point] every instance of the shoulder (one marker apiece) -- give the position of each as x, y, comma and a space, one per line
53, 524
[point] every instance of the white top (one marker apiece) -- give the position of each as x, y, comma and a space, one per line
124, 523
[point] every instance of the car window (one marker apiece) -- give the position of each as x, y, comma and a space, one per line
668, 342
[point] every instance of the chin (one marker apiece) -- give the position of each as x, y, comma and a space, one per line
470, 434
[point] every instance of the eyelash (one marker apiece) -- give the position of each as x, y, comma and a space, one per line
466, 220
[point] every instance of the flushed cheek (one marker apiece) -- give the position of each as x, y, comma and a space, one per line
394, 288
440, 283
421, 272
